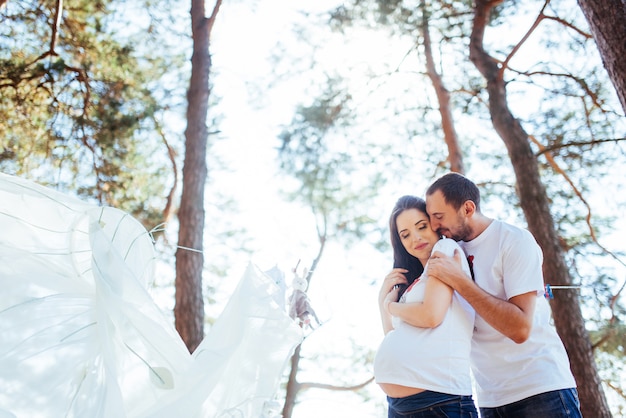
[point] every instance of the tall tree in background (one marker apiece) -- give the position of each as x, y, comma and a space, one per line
606, 20
189, 309
535, 204
407, 20
455, 156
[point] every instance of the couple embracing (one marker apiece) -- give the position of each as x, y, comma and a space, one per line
443, 316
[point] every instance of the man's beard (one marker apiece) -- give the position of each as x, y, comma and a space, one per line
460, 234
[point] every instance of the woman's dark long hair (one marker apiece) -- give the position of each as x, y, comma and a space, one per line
401, 258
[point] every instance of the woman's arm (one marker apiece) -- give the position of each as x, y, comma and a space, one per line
389, 292
429, 313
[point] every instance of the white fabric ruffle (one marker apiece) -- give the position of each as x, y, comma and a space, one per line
80, 335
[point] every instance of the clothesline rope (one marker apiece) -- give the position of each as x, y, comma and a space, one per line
548, 289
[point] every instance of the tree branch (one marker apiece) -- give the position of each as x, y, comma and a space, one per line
569, 25
58, 13
617, 389
580, 81
516, 48
542, 16
551, 148
171, 152
211, 19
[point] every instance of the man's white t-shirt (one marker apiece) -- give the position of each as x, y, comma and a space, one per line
506, 262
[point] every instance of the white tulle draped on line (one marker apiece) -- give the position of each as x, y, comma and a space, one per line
82, 337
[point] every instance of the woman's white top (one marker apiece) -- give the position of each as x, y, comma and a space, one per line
436, 359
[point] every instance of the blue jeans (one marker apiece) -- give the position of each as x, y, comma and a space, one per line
432, 404
556, 404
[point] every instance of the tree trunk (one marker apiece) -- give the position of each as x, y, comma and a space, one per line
534, 201
189, 308
293, 387
455, 157
607, 21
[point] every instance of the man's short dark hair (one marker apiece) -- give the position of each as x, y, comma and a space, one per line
456, 190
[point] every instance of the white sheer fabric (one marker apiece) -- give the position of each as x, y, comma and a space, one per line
80, 335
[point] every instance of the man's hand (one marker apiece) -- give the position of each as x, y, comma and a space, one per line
513, 317
448, 269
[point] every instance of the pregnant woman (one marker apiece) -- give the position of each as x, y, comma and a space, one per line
423, 362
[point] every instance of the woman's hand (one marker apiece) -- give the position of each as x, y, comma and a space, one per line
392, 296
387, 290
389, 293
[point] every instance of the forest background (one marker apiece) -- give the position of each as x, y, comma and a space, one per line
318, 117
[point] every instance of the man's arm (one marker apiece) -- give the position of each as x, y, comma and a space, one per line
513, 317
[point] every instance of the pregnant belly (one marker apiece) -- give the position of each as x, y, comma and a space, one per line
399, 391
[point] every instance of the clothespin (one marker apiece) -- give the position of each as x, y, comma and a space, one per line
548, 292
